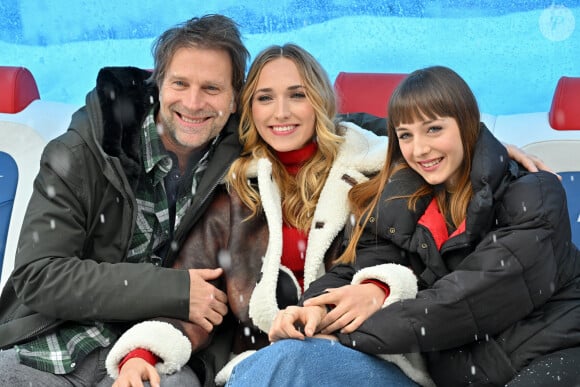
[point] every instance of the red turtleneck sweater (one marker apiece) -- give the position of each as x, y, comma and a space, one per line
295, 241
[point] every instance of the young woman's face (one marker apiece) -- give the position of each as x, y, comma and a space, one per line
282, 114
433, 148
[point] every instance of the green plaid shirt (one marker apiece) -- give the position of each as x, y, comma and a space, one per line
60, 351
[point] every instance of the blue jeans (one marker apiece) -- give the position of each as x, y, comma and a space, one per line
315, 362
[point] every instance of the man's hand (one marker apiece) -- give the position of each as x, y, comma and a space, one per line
134, 371
207, 304
284, 325
353, 304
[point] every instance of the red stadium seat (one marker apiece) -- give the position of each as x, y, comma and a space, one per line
565, 111
365, 92
17, 89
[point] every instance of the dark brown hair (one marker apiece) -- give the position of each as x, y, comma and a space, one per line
209, 31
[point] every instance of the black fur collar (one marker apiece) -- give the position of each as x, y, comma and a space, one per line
125, 95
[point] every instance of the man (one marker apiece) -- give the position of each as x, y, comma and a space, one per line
112, 202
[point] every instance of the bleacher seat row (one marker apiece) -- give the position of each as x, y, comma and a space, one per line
28, 122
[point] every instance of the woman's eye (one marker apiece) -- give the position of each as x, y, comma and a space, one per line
298, 95
263, 98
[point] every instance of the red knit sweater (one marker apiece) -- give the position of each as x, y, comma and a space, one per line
294, 241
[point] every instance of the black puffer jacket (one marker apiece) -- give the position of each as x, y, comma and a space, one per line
494, 297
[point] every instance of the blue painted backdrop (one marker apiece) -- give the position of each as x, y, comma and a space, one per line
512, 53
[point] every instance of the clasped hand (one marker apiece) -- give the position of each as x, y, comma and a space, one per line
207, 304
341, 309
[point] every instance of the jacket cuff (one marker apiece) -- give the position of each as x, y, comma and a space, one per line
162, 339
401, 281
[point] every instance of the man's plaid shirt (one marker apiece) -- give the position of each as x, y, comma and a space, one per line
60, 351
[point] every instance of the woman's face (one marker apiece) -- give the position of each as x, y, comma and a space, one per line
433, 148
282, 114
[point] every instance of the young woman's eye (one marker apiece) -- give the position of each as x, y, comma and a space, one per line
435, 129
298, 95
403, 136
263, 98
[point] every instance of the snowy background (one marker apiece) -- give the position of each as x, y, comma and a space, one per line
511, 53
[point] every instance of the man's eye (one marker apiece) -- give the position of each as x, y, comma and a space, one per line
212, 89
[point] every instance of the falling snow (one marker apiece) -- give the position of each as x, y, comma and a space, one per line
50, 191
224, 259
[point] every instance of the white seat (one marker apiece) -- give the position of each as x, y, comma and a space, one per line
25, 145
49, 119
560, 155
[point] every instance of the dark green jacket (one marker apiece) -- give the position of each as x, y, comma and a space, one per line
70, 263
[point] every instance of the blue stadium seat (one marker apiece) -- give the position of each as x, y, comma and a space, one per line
561, 154
571, 183
8, 182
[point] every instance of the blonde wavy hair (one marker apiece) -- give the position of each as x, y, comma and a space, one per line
300, 193
425, 94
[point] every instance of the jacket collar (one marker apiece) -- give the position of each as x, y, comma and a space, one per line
491, 170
